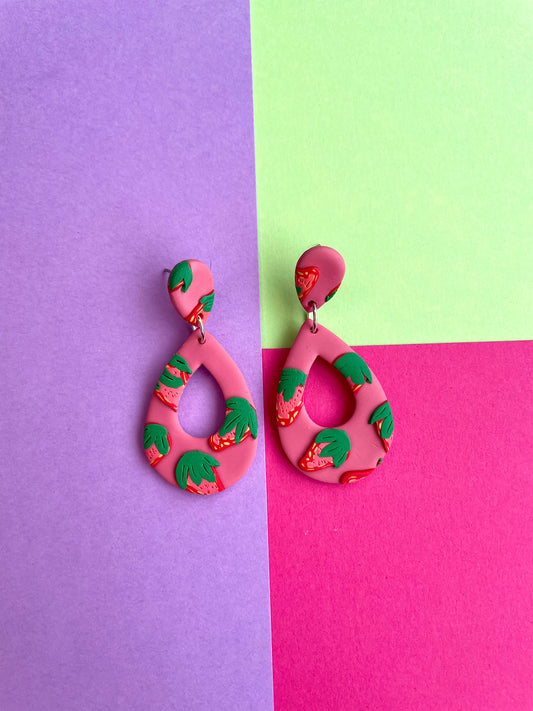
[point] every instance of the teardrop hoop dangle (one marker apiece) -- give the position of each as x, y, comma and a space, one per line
353, 450
201, 465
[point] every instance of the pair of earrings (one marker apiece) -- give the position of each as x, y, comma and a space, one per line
207, 465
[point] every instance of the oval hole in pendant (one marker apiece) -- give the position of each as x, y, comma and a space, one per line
328, 398
202, 407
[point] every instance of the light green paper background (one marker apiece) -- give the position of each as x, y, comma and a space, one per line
399, 133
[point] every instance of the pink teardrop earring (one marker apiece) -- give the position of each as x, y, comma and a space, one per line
196, 464
353, 450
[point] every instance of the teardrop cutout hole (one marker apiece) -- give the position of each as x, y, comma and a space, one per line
202, 407
328, 398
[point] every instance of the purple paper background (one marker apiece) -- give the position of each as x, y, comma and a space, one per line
127, 146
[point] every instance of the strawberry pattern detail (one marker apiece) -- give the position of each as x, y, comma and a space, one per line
175, 376
180, 277
354, 369
156, 442
350, 477
196, 472
305, 279
240, 422
382, 418
331, 293
346, 451
290, 396
204, 306
331, 448
199, 464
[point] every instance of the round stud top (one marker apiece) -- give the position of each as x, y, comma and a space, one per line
319, 273
190, 286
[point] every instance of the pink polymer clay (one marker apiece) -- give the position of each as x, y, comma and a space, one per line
354, 449
359, 440
201, 465
191, 290
318, 275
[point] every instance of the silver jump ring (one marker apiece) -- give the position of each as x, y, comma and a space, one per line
202, 330
314, 327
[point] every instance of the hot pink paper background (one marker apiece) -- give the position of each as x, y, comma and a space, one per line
412, 588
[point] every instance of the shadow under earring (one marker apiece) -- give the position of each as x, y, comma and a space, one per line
353, 450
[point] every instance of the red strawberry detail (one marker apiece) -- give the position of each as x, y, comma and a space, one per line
331, 448
239, 423
312, 461
156, 442
290, 398
172, 381
195, 472
153, 455
386, 441
169, 396
332, 293
204, 305
305, 280
382, 418
287, 412
193, 316
218, 443
206, 487
349, 477
354, 369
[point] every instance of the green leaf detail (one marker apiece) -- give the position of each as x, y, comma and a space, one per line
354, 367
252, 423
387, 427
207, 301
380, 413
289, 380
383, 413
180, 363
156, 434
241, 416
330, 296
181, 272
171, 381
197, 465
338, 447
298, 290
